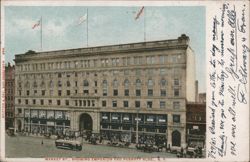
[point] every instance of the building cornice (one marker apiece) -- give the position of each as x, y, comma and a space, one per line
180, 43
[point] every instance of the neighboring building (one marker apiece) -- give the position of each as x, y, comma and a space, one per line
105, 88
202, 97
196, 123
9, 95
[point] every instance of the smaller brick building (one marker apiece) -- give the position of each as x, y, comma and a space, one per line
196, 123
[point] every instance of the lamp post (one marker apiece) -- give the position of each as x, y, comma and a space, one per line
137, 123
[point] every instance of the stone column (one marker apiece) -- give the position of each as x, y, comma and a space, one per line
169, 140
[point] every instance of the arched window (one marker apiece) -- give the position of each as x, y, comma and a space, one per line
126, 83
138, 83
115, 83
163, 82
105, 84
150, 83
85, 83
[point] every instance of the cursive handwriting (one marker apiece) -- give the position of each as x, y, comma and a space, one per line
228, 75
214, 31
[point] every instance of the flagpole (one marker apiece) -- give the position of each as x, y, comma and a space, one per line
41, 33
87, 28
144, 24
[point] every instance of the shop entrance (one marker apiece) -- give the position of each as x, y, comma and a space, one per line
86, 122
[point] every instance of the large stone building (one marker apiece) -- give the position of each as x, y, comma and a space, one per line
108, 89
9, 95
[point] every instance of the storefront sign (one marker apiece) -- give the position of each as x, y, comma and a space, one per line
104, 117
150, 119
162, 120
115, 117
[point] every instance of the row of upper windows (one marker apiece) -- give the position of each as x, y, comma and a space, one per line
126, 72
92, 103
123, 61
115, 83
162, 92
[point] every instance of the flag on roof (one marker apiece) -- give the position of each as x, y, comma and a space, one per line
139, 13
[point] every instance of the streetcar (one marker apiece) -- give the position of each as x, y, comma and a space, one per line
68, 144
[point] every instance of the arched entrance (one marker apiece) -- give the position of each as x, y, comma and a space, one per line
176, 138
86, 122
19, 125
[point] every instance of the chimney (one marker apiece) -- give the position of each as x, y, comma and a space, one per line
196, 91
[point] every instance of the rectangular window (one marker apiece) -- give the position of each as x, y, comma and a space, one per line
104, 103
150, 92
176, 92
162, 59
75, 83
149, 104
162, 104
19, 101
126, 61
68, 92
137, 104
19, 111
67, 102
50, 102
162, 71
76, 91
126, 72
114, 103
59, 83
138, 72
59, 92
28, 93
58, 102
115, 92
176, 82
43, 92
26, 102
42, 102
126, 92
95, 83
34, 102
176, 118
95, 91
20, 92
163, 92
176, 105
105, 92
125, 103
85, 92
59, 75
138, 92
150, 60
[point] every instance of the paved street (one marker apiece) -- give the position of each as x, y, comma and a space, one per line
22, 146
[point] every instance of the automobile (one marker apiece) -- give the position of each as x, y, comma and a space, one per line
68, 144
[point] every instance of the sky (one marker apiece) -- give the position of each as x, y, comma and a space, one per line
107, 25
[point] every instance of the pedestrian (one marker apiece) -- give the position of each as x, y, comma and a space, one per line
42, 142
